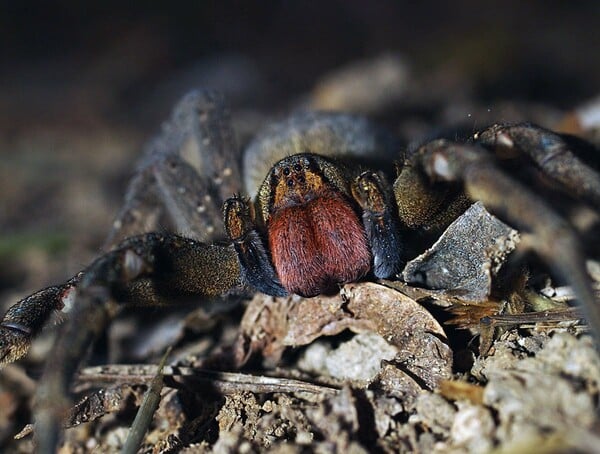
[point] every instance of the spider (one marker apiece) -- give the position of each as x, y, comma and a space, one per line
321, 217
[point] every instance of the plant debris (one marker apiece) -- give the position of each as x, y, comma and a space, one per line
466, 257
421, 359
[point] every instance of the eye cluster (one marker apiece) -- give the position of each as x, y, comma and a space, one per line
300, 178
293, 172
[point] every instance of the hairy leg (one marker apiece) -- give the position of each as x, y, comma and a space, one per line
552, 237
185, 174
150, 269
255, 262
380, 219
552, 153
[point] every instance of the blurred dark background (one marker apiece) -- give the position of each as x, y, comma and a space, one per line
67, 61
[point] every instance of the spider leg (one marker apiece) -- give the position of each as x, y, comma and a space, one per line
181, 268
551, 152
255, 263
186, 173
25, 319
189, 200
150, 269
373, 194
553, 238
424, 206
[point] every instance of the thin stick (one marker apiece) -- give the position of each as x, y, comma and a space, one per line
222, 382
144, 416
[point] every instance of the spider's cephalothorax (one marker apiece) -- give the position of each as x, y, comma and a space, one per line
308, 212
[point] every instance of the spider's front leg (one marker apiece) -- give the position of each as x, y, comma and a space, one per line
552, 153
150, 269
379, 215
183, 178
180, 184
24, 320
552, 237
255, 262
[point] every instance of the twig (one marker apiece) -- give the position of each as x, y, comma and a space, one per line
144, 416
223, 382
572, 313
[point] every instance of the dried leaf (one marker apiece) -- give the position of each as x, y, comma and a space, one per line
467, 255
461, 390
423, 358
93, 406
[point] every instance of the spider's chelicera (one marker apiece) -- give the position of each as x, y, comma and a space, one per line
309, 208
326, 213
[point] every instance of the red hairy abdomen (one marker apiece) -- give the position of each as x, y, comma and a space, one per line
317, 245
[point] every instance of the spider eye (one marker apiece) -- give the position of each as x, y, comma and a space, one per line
311, 165
297, 167
286, 171
290, 183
